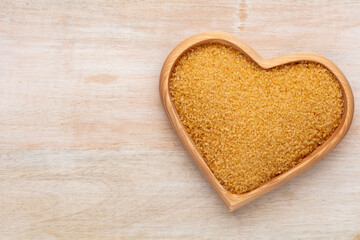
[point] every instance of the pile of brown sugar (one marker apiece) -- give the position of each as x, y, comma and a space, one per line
251, 124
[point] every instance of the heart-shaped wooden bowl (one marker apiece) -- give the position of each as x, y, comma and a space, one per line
234, 201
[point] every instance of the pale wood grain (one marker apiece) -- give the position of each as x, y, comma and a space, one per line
78, 194
84, 75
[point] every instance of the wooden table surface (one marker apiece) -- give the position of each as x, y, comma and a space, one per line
88, 153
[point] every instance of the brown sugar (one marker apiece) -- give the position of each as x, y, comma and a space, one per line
248, 123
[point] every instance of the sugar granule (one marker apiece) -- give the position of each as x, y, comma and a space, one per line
248, 123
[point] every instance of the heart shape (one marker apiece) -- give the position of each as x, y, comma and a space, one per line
235, 196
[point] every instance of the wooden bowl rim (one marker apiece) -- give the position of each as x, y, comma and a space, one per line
234, 201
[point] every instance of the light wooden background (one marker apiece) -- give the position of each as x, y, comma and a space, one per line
88, 153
